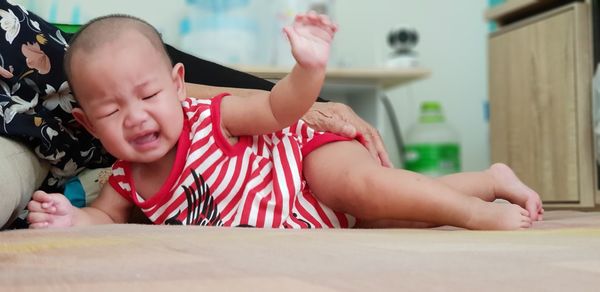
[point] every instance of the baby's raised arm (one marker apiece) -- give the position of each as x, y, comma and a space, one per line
310, 37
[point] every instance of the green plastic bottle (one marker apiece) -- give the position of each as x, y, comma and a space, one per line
432, 145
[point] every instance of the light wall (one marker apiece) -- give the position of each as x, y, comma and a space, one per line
452, 45
164, 14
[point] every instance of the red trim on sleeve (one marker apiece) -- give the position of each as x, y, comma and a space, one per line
114, 180
321, 140
327, 138
222, 142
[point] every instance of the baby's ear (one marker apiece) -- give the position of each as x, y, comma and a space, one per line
82, 119
178, 76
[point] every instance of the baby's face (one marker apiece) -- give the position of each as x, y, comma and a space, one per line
130, 98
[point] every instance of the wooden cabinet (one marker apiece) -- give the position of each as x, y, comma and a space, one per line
540, 71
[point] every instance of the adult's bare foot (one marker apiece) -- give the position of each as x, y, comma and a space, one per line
509, 187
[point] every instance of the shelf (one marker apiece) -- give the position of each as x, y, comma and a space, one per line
513, 10
380, 77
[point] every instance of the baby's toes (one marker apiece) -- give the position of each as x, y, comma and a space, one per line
526, 221
541, 214
534, 209
523, 212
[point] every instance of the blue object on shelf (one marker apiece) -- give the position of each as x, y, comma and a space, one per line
496, 2
492, 3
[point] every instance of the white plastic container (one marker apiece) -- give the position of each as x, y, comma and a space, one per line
432, 146
223, 31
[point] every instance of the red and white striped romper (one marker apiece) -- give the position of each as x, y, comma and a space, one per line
256, 182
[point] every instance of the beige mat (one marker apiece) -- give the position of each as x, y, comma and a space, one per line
560, 254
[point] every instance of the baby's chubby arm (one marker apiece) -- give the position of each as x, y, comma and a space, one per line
54, 210
310, 37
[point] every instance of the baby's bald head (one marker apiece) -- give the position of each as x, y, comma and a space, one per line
107, 29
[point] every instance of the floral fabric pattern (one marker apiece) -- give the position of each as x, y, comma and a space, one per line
35, 98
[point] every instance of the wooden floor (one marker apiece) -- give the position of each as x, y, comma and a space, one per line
560, 254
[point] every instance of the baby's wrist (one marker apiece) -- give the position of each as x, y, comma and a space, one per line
311, 69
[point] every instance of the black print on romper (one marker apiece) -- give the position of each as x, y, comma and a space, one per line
201, 209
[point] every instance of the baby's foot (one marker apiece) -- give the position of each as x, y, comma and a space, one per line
498, 216
508, 186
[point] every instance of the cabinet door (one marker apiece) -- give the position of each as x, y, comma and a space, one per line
533, 99
498, 96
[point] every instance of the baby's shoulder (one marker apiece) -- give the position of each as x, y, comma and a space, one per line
192, 102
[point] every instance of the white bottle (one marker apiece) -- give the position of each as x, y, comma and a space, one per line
223, 31
432, 145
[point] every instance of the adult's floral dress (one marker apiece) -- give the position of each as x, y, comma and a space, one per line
35, 98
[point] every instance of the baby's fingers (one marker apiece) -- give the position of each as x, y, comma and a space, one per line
319, 20
35, 206
316, 18
42, 202
324, 22
42, 197
38, 219
40, 225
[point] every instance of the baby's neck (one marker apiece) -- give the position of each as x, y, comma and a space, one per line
150, 177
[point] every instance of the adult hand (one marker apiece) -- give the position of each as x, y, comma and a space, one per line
340, 119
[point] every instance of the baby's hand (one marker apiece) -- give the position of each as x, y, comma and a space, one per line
49, 210
310, 37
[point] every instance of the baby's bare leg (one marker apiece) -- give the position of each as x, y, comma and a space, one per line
393, 223
497, 182
343, 176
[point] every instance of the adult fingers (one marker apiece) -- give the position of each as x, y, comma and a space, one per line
376, 145
340, 119
372, 138
325, 123
369, 143
322, 118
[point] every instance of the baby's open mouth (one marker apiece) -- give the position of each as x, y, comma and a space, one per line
145, 139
